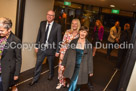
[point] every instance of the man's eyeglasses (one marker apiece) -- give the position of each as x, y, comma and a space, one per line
50, 15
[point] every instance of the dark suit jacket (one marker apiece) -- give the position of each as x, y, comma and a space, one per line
86, 66
125, 36
11, 61
54, 37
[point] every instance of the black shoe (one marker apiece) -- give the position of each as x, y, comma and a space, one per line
50, 77
32, 83
91, 88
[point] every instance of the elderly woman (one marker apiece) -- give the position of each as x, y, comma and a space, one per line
69, 35
78, 62
10, 56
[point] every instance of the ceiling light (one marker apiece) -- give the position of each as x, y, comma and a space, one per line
112, 6
134, 4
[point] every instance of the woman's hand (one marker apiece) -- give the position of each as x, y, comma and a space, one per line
15, 77
57, 54
62, 67
91, 74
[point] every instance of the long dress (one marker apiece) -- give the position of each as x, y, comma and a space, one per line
73, 85
68, 37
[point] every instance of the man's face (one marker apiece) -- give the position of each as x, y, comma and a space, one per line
4, 32
50, 16
126, 27
117, 24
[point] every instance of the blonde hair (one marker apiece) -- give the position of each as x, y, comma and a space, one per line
78, 22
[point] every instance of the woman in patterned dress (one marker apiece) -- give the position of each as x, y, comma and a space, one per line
68, 36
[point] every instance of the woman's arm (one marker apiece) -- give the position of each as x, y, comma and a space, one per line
64, 42
64, 62
102, 32
63, 45
90, 62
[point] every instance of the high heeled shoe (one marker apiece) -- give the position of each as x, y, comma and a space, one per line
59, 85
14, 88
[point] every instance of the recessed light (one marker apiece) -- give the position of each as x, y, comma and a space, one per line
134, 4
112, 6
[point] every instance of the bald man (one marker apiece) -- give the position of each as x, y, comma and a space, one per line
114, 37
48, 39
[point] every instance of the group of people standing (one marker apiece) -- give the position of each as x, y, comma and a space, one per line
75, 53
118, 36
75, 62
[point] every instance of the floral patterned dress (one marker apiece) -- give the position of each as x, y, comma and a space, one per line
68, 37
2, 45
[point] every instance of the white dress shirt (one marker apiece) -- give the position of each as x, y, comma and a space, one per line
50, 27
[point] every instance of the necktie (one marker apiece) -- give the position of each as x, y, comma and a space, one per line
46, 32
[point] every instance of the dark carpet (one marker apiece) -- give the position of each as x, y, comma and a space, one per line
103, 70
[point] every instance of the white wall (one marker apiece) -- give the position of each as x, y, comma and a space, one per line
35, 12
132, 81
8, 9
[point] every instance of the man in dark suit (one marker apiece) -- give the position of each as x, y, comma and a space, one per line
10, 55
50, 35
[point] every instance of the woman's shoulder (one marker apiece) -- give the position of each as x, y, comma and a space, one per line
102, 27
88, 42
68, 31
74, 40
